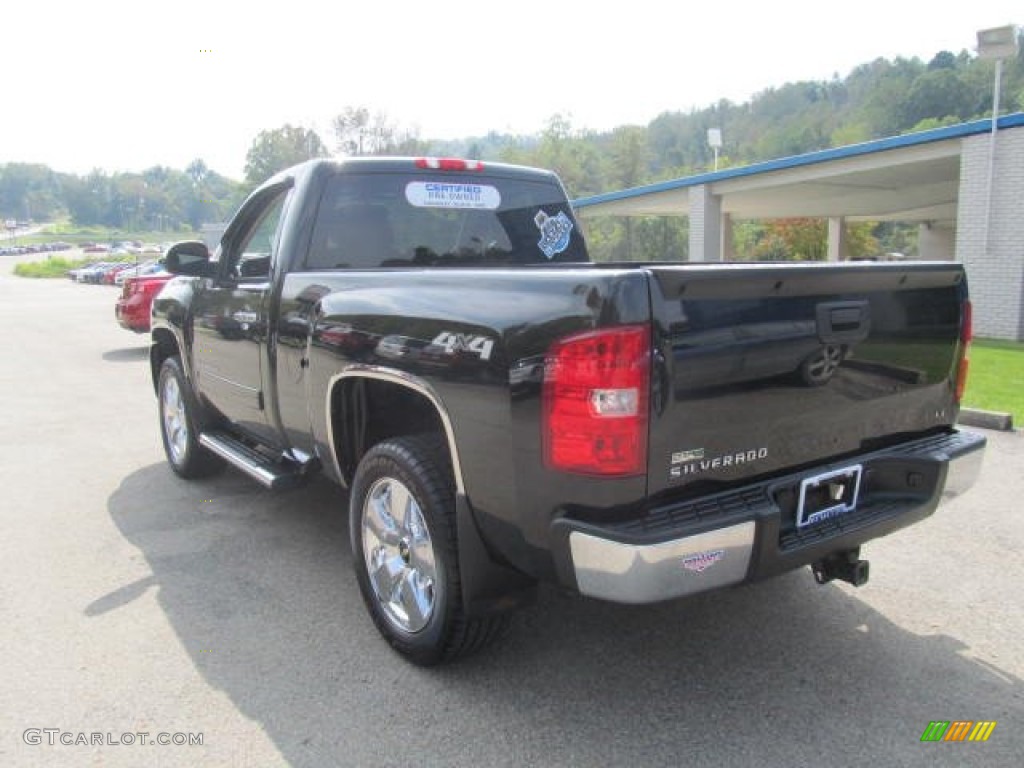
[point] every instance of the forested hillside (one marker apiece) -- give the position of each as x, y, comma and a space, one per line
877, 99
158, 199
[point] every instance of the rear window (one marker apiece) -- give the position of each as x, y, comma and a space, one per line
401, 220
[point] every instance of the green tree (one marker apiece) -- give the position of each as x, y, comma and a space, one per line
358, 132
796, 239
943, 60
275, 150
87, 197
573, 155
937, 94
30, 191
627, 167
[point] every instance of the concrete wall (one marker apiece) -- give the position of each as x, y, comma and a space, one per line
996, 275
837, 247
936, 241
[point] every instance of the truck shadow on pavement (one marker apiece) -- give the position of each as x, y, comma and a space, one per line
260, 590
126, 355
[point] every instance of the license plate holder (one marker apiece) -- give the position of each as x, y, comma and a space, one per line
828, 495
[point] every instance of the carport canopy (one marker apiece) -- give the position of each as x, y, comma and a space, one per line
915, 177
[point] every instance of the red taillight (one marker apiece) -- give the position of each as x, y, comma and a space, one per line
966, 334
595, 402
448, 164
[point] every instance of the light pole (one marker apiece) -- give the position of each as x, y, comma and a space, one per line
715, 142
997, 43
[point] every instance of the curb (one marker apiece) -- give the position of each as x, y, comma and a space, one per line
975, 417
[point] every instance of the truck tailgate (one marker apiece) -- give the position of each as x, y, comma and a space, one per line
763, 368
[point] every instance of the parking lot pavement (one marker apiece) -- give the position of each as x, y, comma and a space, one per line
135, 602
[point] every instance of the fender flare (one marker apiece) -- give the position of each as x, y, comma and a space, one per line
488, 587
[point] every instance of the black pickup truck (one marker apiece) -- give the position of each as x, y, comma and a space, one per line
430, 334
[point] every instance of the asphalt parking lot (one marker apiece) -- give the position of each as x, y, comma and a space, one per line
133, 602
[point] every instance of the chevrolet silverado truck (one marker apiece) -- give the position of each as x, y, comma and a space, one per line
431, 335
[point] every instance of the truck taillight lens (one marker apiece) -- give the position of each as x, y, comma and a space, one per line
966, 334
595, 402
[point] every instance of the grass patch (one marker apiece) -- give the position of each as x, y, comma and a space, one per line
69, 233
995, 381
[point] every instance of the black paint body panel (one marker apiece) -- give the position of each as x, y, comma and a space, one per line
730, 401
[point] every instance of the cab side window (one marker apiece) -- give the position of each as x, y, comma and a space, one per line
249, 255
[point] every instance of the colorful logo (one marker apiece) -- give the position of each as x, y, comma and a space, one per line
958, 730
554, 232
702, 561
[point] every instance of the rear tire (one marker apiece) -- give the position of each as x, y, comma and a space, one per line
405, 551
179, 421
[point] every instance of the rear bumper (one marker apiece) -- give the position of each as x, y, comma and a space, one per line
750, 533
132, 314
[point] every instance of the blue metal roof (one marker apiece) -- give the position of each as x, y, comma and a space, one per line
853, 150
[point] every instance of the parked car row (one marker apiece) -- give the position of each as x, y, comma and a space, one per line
126, 247
15, 250
140, 282
99, 272
151, 267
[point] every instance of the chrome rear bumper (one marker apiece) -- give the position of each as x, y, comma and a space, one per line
629, 573
747, 533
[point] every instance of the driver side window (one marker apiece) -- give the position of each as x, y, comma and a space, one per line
250, 258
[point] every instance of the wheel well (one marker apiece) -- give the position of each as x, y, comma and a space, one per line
367, 411
164, 346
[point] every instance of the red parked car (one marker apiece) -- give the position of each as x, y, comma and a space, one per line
110, 275
133, 307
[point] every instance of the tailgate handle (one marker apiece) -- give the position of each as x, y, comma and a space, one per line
843, 322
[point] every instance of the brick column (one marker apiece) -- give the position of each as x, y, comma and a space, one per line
996, 277
705, 224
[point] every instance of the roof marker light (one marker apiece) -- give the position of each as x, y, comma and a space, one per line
449, 164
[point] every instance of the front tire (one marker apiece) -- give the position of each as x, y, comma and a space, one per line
179, 424
404, 548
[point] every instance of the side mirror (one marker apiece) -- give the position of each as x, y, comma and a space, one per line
190, 257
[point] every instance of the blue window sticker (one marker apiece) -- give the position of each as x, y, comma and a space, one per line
555, 232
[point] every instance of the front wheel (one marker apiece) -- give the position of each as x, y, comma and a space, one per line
404, 548
178, 424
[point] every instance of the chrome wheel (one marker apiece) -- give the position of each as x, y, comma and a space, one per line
172, 405
399, 555
823, 365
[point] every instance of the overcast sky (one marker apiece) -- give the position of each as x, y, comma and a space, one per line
125, 85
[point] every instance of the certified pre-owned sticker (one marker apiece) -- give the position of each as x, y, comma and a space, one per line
555, 232
438, 194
